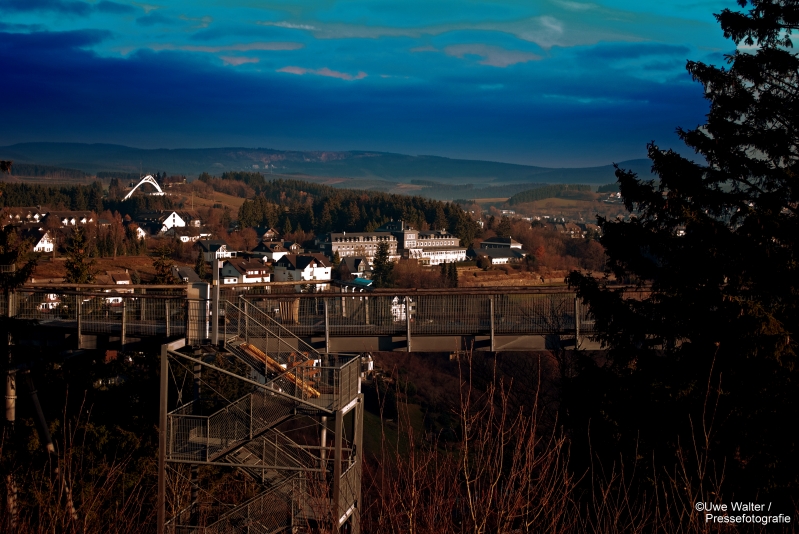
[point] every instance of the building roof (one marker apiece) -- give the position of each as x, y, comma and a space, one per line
186, 274
501, 241
355, 264
243, 266
211, 245
509, 253
300, 262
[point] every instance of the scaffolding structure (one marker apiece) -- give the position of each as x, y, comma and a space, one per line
294, 432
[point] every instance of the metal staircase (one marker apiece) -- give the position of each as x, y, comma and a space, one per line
279, 434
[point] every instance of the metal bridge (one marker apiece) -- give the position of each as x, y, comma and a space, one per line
391, 320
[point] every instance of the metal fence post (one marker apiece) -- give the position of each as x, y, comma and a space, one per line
215, 304
166, 316
576, 323
327, 329
408, 321
124, 324
491, 319
79, 312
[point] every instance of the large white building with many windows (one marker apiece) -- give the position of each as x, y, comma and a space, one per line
430, 247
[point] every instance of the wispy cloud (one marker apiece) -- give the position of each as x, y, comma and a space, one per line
238, 60
492, 55
65, 8
323, 72
239, 47
546, 31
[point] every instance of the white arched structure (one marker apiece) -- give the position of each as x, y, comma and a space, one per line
146, 180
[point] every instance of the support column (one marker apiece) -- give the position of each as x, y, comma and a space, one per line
337, 511
161, 504
215, 304
11, 396
195, 469
491, 319
323, 444
408, 322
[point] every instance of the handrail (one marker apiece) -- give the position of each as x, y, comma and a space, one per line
284, 329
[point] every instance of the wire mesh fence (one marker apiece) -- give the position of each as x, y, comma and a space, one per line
292, 316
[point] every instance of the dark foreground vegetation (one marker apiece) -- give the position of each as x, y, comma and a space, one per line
693, 401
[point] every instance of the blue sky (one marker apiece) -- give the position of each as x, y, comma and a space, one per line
543, 82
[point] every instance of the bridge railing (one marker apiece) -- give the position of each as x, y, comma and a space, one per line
457, 313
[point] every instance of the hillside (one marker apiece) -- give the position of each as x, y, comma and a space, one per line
366, 169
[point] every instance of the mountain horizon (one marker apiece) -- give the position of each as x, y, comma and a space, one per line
353, 164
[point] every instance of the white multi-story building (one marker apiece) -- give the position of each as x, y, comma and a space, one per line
359, 244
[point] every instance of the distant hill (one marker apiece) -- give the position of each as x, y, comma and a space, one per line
356, 165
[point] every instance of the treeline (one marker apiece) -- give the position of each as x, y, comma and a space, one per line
608, 188
78, 197
289, 205
123, 176
459, 192
65, 197
31, 169
548, 191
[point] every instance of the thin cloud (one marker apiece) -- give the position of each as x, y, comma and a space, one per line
545, 31
239, 47
300, 71
492, 55
237, 60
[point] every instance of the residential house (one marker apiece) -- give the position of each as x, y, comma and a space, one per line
118, 278
302, 268
214, 248
241, 271
23, 215
71, 218
40, 238
186, 275
270, 250
357, 265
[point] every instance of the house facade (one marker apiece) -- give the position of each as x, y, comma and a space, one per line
303, 268
240, 271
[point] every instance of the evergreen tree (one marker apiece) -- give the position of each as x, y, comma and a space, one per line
710, 350
79, 266
452, 275
382, 267
163, 265
200, 267
503, 228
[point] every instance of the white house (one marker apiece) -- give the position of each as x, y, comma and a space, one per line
40, 238
215, 248
271, 250
302, 268
240, 271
